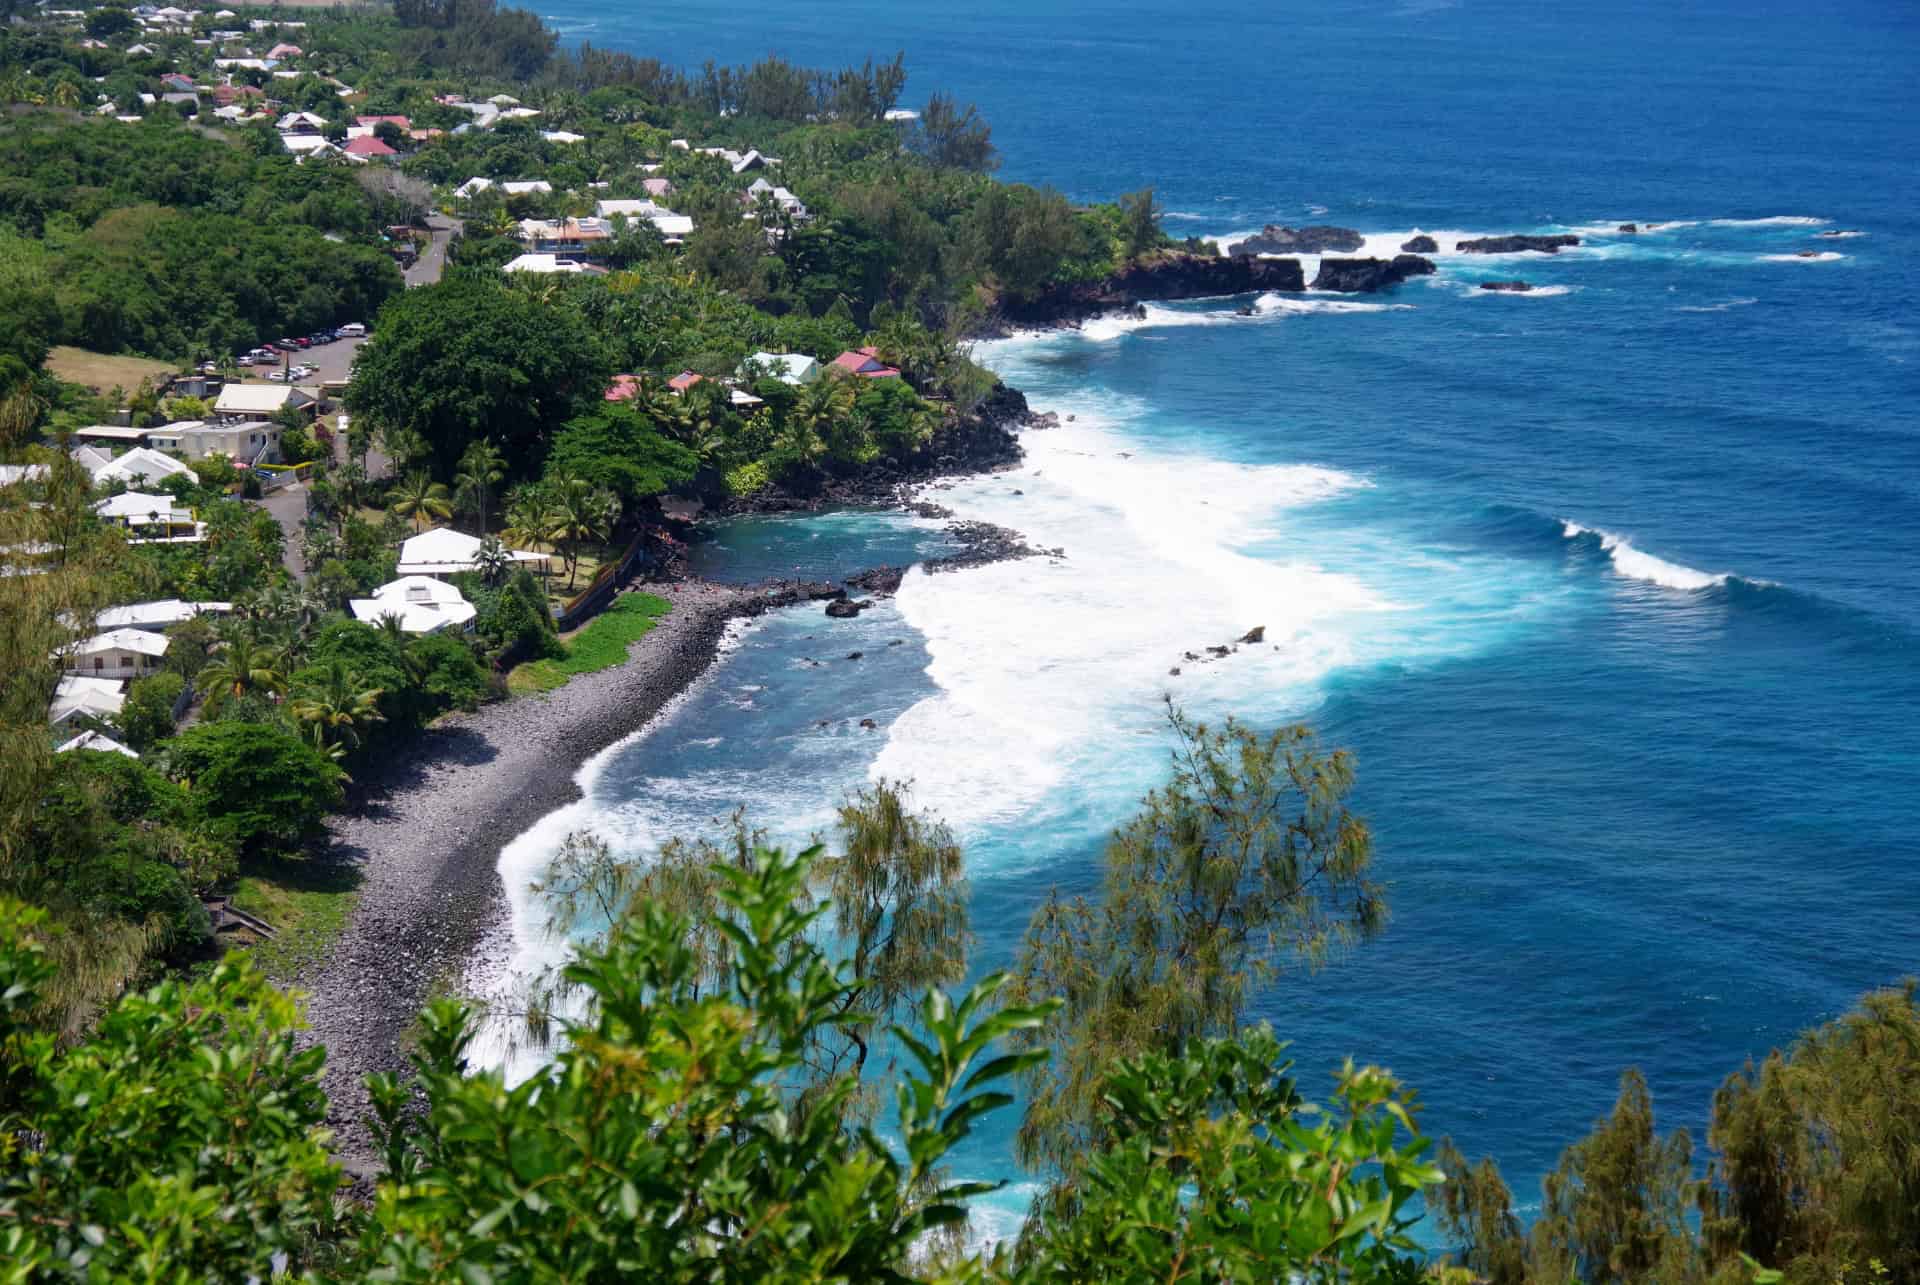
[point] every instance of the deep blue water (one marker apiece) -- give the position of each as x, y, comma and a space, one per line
1611, 588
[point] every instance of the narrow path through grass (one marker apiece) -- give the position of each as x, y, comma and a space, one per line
601, 645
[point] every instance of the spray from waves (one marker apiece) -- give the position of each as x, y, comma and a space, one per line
1069, 696
1636, 565
1824, 256
1772, 221
1726, 306
1296, 306
1538, 292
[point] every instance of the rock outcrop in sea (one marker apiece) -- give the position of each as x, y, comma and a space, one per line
1363, 276
1422, 244
1278, 239
1513, 287
1516, 244
1168, 276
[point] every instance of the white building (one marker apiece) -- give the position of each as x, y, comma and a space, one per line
98, 741
142, 509
543, 263
117, 653
443, 551
14, 474
421, 604
157, 616
787, 367
252, 441
239, 403
300, 123
98, 697
140, 466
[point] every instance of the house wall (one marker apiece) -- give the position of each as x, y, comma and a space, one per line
113, 663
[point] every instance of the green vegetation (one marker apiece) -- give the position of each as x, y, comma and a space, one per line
602, 644
306, 900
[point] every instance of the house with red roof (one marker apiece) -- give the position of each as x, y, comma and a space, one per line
624, 388
367, 148
177, 83
864, 362
686, 379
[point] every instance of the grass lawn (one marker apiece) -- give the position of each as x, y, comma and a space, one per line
601, 644
103, 373
307, 903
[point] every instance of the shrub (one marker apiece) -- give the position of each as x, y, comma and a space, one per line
147, 716
260, 786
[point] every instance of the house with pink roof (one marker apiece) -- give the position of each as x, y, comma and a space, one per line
686, 379
864, 362
624, 388
367, 148
283, 51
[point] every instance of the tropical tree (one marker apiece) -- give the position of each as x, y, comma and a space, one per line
482, 467
422, 499
336, 704
533, 518
586, 513
246, 664
1245, 861
494, 562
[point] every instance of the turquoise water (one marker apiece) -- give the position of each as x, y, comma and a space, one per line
1610, 587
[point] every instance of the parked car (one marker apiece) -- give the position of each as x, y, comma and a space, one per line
301, 372
279, 376
244, 359
286, 345
353, 330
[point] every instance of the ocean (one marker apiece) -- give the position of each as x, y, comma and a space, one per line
1611, 587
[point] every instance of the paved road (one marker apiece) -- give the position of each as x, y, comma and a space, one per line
289, 508
427, 268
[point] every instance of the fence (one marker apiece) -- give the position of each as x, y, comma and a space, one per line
274, 476
599, 591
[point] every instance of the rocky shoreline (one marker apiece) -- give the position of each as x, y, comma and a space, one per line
425, 830
1182, 275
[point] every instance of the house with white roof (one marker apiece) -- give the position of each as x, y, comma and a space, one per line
544, 264
14, 474
789, 203
97, 741
300, 123
305, 145
787, 367
421, 605
117, 653
140, 465
562, 136
512, 187
153, 517
443, 551
96, 697
238, 403
157, 616
252, 441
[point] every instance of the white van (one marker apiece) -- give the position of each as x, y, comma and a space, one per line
353, 330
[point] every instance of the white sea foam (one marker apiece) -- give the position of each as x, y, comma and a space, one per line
1772, 221
1824, 256
1849, 234
1298, 305
1153, 570
1725, 306
1636, 565
1538, 292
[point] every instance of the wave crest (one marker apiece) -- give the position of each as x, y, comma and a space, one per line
1636, 564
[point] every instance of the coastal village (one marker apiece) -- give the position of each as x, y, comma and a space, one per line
369, 375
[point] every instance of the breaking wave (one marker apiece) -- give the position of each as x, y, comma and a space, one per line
1635, 564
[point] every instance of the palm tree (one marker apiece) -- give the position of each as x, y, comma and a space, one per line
337, 704
493, 562
481, 467
422, 499
67, 94
587, 512
245, 665
533, 519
